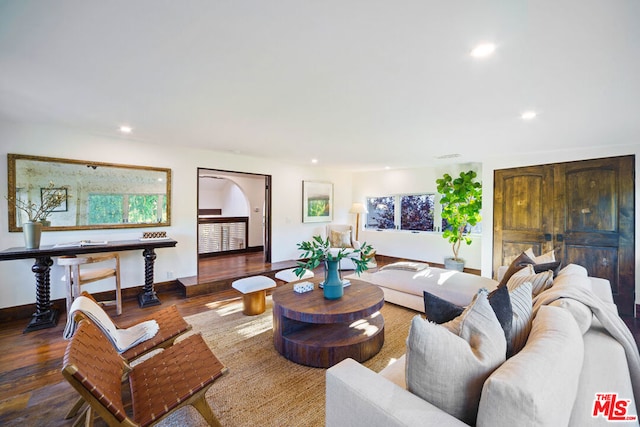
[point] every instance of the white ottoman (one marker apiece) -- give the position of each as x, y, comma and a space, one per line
290, 276
254, 293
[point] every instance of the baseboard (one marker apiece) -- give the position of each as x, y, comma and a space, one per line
26, 311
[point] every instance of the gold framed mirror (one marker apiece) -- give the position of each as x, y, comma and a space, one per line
97, 195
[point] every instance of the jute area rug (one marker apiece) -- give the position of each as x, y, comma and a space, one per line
262, 387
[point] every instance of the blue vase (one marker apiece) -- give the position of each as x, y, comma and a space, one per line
332, 285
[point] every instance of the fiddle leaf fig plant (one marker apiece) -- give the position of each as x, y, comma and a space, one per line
318, 250
461, 200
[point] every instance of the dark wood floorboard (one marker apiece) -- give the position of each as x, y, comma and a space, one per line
31, 361
231, 266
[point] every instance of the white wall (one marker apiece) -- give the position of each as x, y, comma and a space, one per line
249, 194
17, 282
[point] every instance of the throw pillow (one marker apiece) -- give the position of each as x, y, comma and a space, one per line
340, 239
553, 266
542, 259
439, 310
544, 262
580, 312
522, 305
539, 282
447, 364
516, 265
538, 386
574, 269
405, 266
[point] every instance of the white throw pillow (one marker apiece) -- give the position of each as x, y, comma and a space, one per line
580, 312
522, 307
539, 282
447, 364
542, 259
538, 386
574, 269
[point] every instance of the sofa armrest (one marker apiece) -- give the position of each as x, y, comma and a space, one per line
357, 396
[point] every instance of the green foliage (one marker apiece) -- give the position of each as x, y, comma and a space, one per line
318, 207
461, 200
317, 251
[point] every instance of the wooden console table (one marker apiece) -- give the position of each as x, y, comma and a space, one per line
46, 316
313, 331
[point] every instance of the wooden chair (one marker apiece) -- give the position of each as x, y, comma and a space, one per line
171, 325
76, 276
175, 377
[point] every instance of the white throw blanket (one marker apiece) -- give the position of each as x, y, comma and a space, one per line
609, 319
122, 339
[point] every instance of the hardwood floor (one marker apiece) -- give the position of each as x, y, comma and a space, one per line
33, 360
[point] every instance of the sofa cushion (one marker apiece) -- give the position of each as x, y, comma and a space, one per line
439, 310
447, 364
538, 386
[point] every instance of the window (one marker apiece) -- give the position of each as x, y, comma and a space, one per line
125, 208
414, 212
381, 212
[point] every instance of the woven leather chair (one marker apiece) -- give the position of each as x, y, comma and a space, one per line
170, 326
175, 377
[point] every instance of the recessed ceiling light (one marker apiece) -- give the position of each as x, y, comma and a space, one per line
387, 167
125, 129
528, 115
314, 161
483, 50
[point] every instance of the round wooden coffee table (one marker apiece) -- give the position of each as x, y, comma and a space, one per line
314, 331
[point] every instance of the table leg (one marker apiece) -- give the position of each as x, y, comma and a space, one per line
45, 316
148, 297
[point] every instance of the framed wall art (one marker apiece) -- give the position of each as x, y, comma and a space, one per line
317, 201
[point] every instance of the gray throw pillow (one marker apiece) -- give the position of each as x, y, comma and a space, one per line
447, 364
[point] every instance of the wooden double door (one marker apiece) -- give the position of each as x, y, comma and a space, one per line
583, 210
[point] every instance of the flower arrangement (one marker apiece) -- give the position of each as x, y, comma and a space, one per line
318, 250
52, 197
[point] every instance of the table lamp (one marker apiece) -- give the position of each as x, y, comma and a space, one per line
358, 208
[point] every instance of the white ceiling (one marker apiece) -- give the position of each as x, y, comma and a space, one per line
358, 84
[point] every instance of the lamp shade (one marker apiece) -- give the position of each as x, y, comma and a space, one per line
358, 208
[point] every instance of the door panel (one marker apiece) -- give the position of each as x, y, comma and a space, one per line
521, 211
591, 203
599, 262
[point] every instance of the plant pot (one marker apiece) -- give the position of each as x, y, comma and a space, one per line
32, 232
452, 264
332, 285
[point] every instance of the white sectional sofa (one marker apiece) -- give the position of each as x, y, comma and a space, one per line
577, 349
